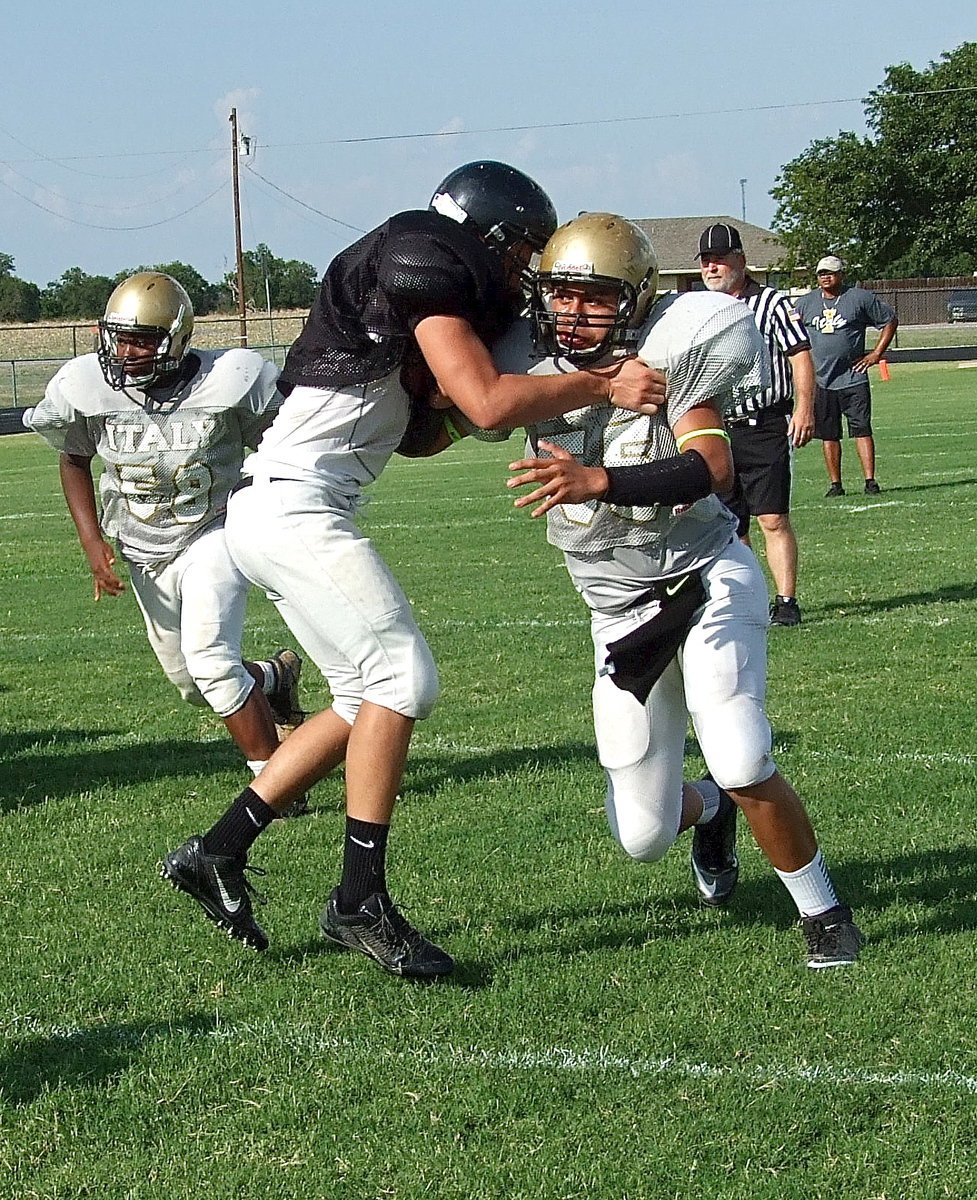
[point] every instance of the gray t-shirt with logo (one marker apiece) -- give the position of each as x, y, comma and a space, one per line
837, 330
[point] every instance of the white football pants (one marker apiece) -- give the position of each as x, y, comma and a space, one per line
194, 614
298, 541
718, 679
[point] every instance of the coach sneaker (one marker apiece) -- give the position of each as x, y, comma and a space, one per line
835, 490
283, 699
715, 867
218, 885
871, 488
833, 939
785, 611
378, 930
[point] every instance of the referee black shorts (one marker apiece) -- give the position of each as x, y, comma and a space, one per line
855, 402
762, 459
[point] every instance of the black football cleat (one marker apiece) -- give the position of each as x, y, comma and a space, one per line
298, 808
835, 490
378, 930
715, 867
218, 885
785, 611
833, 939
283, 699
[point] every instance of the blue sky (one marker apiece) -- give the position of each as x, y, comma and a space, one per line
122, 121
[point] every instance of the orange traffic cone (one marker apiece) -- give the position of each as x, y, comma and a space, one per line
884, 371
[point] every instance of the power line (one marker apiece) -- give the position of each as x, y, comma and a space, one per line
441, 133
113, 228
336, 220
114, 207
64, 161
713, 112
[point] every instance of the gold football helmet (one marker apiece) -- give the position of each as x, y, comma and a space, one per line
614, 256
156, 311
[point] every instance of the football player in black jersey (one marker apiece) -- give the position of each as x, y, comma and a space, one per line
409, 310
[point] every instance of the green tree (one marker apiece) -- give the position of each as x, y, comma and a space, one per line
76, 296
903, 200
282, 283
19, 300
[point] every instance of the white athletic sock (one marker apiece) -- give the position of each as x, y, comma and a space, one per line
268, 683
256, 767
709, 792
810, 888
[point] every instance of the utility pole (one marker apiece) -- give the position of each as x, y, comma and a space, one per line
743, 197
239, 255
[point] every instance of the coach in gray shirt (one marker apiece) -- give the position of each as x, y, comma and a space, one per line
836, 317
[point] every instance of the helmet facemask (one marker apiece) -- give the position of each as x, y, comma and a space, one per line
519, 252
155, 366
557, 326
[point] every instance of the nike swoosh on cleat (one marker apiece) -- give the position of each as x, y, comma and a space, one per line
366, 845
230, 905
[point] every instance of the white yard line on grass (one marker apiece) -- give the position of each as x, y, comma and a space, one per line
30, 516
926, 760
460, 523
551, 1058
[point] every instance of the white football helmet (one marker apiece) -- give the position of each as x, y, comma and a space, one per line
612, 254
153, 305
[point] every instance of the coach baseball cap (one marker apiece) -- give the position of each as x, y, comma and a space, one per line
720, 239
831, 263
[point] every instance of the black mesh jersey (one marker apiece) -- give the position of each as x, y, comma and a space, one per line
416, 265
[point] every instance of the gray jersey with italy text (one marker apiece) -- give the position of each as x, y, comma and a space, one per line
169, 466
709, 348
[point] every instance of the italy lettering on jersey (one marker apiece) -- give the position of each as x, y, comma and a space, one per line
708, 346
168, 466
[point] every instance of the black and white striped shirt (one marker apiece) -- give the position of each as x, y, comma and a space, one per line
784, 333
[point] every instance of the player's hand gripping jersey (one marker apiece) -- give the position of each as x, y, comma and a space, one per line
708, 346
170, 462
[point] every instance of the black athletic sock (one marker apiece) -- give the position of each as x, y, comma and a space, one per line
238, 828
364, 863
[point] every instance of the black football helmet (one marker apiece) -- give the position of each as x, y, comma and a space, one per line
509, 211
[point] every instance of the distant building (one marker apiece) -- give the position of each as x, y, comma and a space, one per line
676, 239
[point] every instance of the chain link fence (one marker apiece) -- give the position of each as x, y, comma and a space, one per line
31, 354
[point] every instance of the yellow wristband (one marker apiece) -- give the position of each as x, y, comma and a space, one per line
452, 430
697, 433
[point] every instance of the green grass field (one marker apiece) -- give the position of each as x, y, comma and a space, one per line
604, 1036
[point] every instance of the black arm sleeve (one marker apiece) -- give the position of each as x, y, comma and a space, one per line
682, 479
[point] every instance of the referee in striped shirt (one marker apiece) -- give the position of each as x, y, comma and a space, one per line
763, 429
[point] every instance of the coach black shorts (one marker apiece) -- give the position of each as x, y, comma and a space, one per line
854, 402
761, 456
